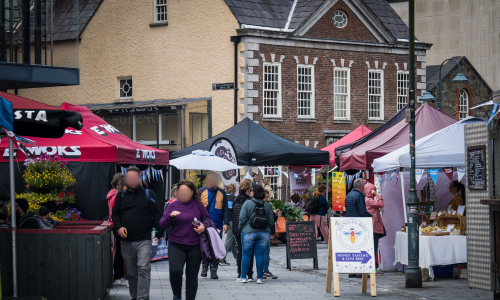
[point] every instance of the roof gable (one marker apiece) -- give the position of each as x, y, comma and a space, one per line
432, 72
292, 15
354, 30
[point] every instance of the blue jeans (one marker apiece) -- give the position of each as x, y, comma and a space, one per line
268, 258
256, 243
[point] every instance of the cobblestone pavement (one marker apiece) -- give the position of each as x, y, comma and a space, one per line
302, 282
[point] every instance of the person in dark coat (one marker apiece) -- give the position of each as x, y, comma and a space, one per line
25, 219
244, 195
4, 214
43, 212
355, 205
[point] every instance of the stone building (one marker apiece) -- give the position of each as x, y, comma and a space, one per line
459, 28
458, 99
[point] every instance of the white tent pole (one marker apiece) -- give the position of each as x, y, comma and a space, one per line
403, 192
13, 215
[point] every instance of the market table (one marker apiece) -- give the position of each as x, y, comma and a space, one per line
434, 250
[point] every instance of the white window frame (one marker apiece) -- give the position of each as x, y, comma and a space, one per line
279, 91
381, 95
405, 95
460, 112
120, 88
312, 99
277, 193
348, 100
156, 13
160, 129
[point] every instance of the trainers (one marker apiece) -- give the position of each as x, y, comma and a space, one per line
260, 281
223, 263
204, 271
120, 282
213, 274
241, 280
250, 279
269, 275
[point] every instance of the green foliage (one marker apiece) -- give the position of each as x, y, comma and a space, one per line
292, 214
276, 204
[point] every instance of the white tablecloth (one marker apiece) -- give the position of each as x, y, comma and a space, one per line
434, 250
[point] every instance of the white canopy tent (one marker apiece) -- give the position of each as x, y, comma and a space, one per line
443, 148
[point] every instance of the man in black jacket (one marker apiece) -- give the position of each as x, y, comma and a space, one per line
135, 214
25, 219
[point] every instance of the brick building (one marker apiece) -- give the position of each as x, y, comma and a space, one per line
458, 99
323, 68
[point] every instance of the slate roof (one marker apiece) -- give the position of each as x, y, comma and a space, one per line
65, 17
274, 13
433, 71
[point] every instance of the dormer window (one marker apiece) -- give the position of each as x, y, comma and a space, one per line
339, 19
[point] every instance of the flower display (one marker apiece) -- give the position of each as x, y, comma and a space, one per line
47, 172
69, 214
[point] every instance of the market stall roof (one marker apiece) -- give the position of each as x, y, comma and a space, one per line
256, 146
444, 148
427, 121
352, 136
96, 142
400, 115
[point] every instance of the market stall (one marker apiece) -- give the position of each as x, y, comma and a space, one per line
93, 155
440, 159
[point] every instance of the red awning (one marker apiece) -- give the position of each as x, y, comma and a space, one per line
352, 136
427, 120
96, 142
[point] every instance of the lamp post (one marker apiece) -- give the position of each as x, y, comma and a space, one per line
459, 78
413, 274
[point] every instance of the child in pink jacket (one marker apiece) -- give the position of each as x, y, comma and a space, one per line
374, 203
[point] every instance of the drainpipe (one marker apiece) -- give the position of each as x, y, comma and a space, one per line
236, 40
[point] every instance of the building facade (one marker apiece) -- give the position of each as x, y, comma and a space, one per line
312, 80
309, 70
458, 99
459, 28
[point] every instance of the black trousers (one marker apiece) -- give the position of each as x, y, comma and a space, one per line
240, 255
178, 256
118, 262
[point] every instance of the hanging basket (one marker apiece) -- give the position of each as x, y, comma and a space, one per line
44, 190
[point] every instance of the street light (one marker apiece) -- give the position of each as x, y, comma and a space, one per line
459, 78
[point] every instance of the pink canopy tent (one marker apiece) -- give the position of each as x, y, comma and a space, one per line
427, 121
352, 136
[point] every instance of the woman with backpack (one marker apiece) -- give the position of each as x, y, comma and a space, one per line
255, 223
245, 189
319, 217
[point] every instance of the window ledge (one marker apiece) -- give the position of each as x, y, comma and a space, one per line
158, 24
342, 122
376, 121
124, 100
306, 120
269, 119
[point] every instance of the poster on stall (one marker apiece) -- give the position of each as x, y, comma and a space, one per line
352, 245
224, 149
300, 182
338, 191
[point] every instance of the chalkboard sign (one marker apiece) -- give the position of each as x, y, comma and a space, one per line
301, 242
476, 164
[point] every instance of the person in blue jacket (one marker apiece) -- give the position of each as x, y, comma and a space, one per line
215, 200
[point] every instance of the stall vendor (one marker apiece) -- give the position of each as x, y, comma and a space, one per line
458, 190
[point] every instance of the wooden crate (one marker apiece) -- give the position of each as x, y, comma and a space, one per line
455, 220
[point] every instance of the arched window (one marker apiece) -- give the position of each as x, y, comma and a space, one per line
463, 105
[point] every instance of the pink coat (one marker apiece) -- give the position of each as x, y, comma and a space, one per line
111, 201
373, 206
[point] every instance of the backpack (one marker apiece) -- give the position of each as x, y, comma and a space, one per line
258, 219
312, 205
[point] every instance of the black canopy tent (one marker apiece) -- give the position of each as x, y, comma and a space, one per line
344, 148
256, 146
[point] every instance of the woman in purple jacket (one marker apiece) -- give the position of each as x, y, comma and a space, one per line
184, 239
